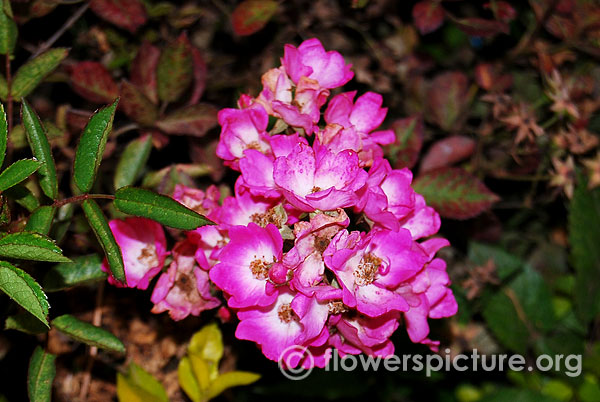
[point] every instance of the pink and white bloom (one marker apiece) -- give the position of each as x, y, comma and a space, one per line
143, 246
312, 61
204, 202
184, 289
243, 270
315, 178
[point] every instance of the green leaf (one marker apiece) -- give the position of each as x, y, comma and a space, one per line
535, 298
175, 69
98, 223
83, 269
163, 209
8, 29
584, 237
3, 88
251, 16
88, 333
40, 147
517, 395
23, 196
3, 134
24, 290
91, 147
25, 322
505, 263
454, 193
187, 380
41, 375
30, 246
132, 161
139, 386
230, 379
40, 220
17, 172
4, 211
31, 73
512, 333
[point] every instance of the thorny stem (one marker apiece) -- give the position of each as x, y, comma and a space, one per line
97, 321
80, 198
68, 24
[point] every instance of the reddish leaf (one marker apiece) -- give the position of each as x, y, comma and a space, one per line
447, 98
404, 152
92, 81
193, 120
502, 10
128, 14
143, 70
200, 72
428, 16
78, 120
136, 105
481, 26
447, 152
174, 70
251, 16
454, 193
39, 8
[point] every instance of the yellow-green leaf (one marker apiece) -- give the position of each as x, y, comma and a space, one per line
229, 380
139, 386
33, 72
208, 343
201, 370
24, 290
187, 380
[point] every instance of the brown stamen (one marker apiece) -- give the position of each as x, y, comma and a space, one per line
367, 269
286, 314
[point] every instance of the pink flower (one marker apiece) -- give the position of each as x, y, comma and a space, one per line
205, 203
184, 289
277, 86
242, 129
244, 265
312, 61
245, 207
143, 245
305, 110
315, 178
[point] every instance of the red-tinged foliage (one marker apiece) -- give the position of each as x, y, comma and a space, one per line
143, 70
93, 81
447, 99
404, 152
193, 120
200, 71
174, 72
488, 77
428, 16
454, 193
251, 16
447, 152
502, 10
127, 14
39, 8
136, 105
482, 27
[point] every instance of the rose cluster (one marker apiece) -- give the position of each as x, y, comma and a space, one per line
323, 244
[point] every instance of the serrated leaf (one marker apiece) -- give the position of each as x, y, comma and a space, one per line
200, 72
40, 147
132, 161
163, 209
8, 29
143, 70
33, 72
454, 193
3, 135
42, 371
139, 386
251, 16
136, 105
100, 227
447, 152
17, 172
174, 69
193, 120
128, 14
91, 147
23, 196
584, 237
83, 269
24, 290
404, 152
88, 333
229, 380
40, 220
30, 246
428, 16
26, 323
447, 99
92, 81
